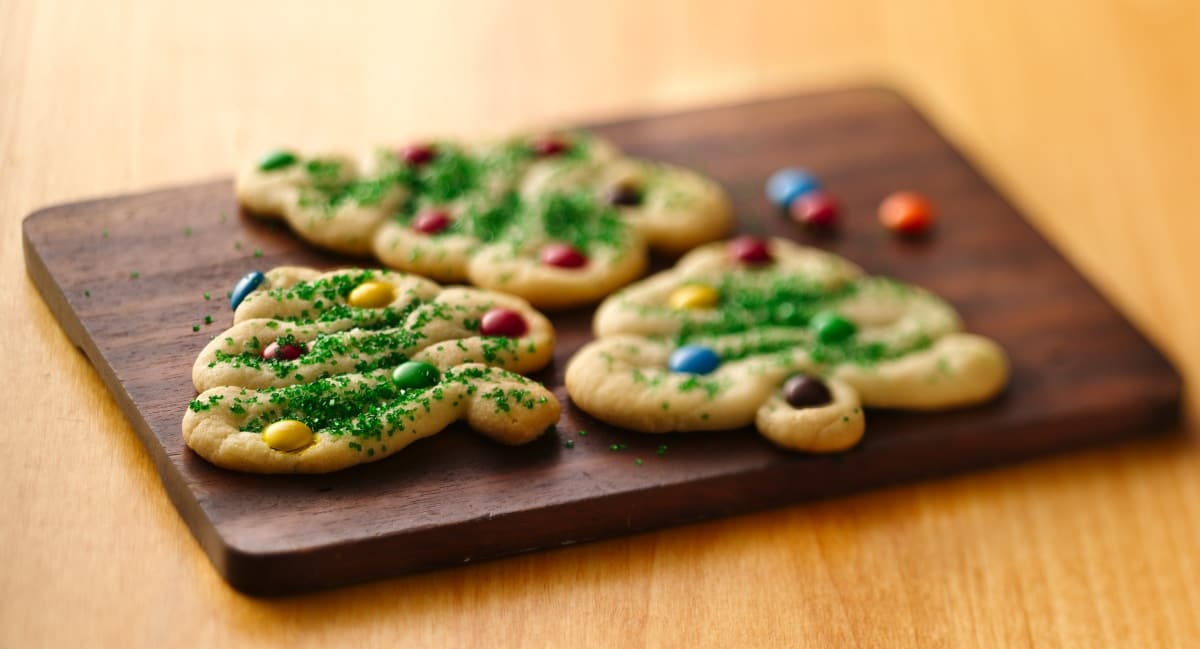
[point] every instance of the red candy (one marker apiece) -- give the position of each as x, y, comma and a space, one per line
549, 146
417, 154
431, 221
562, 255
906, 213
288, 352
749, 250
503, 322
814, 209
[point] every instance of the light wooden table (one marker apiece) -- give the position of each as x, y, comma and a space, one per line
1085, 116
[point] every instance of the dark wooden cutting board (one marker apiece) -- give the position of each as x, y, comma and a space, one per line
1081, 373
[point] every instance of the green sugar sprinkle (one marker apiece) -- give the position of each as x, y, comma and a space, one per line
773, 311
187, 231
637, 461
87, 293
662, 450
258, 252
208, 319
104, 233
363, 409
237, 245
195, 327
134, 274
570, 443
207, 296
582, 432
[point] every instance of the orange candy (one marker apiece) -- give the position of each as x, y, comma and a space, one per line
906, 213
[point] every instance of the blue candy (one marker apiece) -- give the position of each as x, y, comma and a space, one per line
786, 184
243, 288
694, 359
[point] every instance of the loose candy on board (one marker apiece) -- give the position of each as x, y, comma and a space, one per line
907, 213
816, 209
785, 185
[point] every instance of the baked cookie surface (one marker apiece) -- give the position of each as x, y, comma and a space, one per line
559, 220
321, 371
789, 338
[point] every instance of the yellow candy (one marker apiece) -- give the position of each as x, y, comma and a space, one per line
287, 435
693, 296
372, 295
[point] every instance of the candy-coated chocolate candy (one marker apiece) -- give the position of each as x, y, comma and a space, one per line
750, 250
625, 195
287, 435
549, 146
285, 352
503, 322
694, 359
906, 213
693, 296
372, 295
562, 255
803, 391
815, 209
244, 287
831, 327
418, 154
431, 221
786, 184
276, 160
415, 374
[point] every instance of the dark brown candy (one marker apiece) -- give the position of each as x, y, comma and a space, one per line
625, 195
803, 391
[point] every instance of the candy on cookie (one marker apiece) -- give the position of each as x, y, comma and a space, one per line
790, 339
323, 370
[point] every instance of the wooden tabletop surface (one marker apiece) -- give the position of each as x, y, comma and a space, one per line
1085, 119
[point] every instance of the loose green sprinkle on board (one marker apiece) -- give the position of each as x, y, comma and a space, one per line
104, 233
258, 252
207, 296
208, 319
237, 245
570, 443
662, 450
637, 461
187, 231
134, 274
615, 448
195, 327
582, 432
87, 293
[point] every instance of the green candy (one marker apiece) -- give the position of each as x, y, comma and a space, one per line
415, 374
831, 327
276, 160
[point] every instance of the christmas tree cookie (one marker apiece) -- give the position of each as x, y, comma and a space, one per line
559, 220
322, 371
790, 339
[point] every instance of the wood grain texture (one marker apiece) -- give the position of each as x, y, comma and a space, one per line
1081, 374
1083, 114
